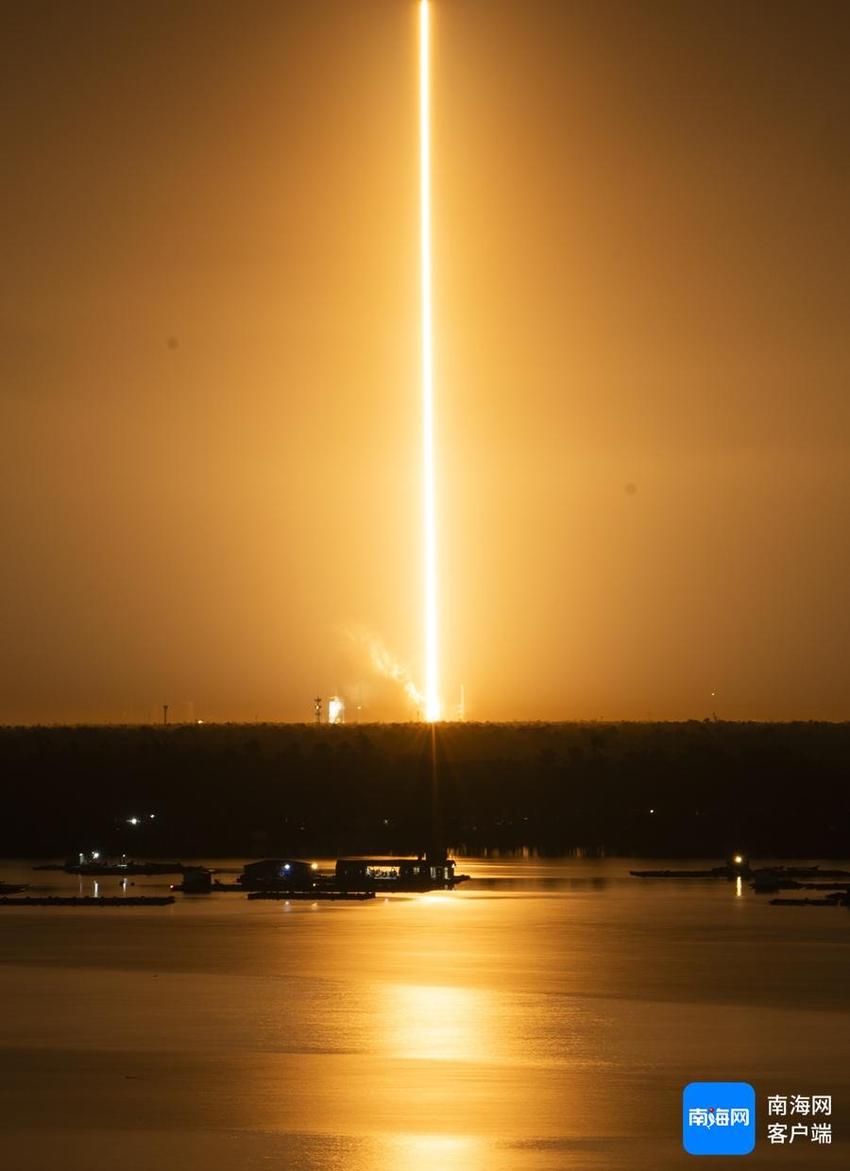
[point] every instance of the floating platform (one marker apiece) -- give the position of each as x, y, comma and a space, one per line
770, 886
764, 878
802, 872
326, 895
715, 872
124, 869
833, 902
212, 888
115, 869
350, 876
842, 887
89, 901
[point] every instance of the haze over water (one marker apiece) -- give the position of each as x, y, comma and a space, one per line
545, 1016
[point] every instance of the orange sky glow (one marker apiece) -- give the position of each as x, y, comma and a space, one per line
210, 363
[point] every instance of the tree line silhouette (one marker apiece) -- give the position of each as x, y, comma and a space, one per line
663, 789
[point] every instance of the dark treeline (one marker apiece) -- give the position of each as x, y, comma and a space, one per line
695, 788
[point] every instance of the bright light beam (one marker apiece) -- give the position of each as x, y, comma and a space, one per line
429, 504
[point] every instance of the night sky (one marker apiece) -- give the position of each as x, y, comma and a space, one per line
209, 364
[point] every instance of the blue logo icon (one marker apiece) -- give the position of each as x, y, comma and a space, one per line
719, 1118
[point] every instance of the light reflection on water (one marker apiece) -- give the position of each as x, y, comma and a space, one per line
544, 1017
449, 1152
434, 1023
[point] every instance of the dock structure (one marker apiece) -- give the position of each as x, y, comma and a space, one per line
321, 895
89, 901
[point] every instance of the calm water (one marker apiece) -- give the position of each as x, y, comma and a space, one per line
545, 1016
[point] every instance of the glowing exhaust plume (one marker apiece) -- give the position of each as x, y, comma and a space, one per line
429, 510
386, 665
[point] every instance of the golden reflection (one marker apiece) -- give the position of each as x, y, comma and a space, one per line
449, 1152
436, 898
436, 1022
739, 890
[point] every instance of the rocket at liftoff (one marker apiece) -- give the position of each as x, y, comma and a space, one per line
429, 502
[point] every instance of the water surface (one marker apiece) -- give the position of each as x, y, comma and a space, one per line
545, 1016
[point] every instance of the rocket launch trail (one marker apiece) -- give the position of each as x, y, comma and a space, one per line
429, 492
